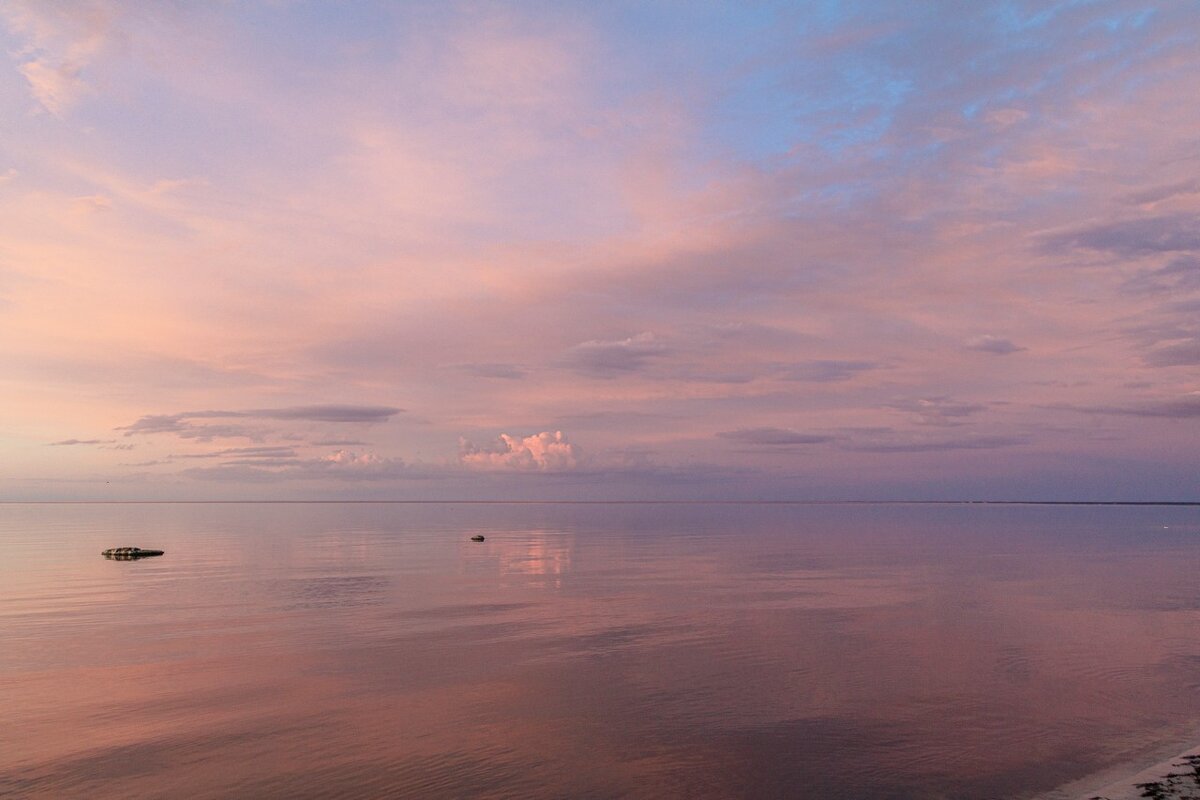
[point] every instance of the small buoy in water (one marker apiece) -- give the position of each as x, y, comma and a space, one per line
129, 553
477, 537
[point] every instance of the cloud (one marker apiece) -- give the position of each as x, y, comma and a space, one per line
271, 463
349, 458
826, 371
993, 344
318, 413
773, 437
177, 424
56, 87
340, 465
1157, 194
1135, 237
81, 441
155, 423
93, 203
693, 373
1005, 117
753, 335
938, 410
798, 269
245, 453
1184, 407
206, 433
542, 452
607, 359
60, 41
503, 371
937, 445
607, 420
1180, 354
180, 425
1181, 274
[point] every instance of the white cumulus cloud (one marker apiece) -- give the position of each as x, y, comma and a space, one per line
349, 458
544, 452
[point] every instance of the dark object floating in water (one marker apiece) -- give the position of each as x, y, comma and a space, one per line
129, 553
477, 537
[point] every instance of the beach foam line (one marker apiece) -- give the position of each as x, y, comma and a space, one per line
1120, 784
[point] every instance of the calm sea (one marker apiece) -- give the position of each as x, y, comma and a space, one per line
592, 651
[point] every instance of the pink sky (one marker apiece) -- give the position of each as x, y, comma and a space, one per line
569, 251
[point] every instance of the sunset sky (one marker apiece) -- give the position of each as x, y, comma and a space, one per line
560, 250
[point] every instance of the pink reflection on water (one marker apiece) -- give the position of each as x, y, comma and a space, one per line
766, 654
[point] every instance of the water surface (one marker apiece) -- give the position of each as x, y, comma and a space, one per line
592, 651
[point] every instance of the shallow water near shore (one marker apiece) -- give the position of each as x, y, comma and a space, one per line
592, 651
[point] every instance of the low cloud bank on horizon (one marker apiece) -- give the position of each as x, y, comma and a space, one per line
574, 251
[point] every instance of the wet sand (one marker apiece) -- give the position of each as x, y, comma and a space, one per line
1174, 778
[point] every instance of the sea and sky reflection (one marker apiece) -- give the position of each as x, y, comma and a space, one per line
851, 651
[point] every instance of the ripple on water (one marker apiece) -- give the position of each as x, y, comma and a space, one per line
588, 652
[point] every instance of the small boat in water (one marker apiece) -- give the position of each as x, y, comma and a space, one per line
477, 537
129, 553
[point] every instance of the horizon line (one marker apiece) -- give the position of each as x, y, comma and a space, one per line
1183, 503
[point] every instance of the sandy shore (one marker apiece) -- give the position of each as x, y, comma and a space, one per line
1122, 784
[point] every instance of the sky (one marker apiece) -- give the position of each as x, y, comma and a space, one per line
582, 251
